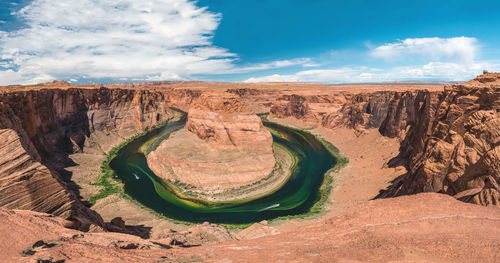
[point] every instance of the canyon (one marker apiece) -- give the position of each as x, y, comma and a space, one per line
422, 157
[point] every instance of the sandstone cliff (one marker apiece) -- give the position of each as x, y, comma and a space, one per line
392, 112
223, 146
449, 140
228, 121
43, 126
454, 146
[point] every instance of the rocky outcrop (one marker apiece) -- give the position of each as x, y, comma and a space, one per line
227, 120
197, 235
260, 229
29, 185
454, 146
391, 112
223, 146
310, 108
290, 105
43, 126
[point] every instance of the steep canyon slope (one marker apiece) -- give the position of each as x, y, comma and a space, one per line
449, 140
454, 148
42, 127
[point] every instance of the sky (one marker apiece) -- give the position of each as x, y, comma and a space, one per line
326, 41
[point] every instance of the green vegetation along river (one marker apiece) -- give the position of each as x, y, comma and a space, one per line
297, 196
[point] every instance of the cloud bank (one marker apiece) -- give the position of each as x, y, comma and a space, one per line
149, 40
462, 49
452, 59
128, 39
431, 71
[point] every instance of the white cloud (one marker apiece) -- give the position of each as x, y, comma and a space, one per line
273, 78
10, 77
460, 49
164, 76
344, 74
125, 40
304, 62
430, 71
113, 39
452, 59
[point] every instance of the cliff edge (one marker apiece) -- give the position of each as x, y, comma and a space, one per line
454, 145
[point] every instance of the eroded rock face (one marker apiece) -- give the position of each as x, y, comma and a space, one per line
29, 184
291, 105
228, 121
43, 126
389, 111
448, 139
223, 146
455, 149
257, 230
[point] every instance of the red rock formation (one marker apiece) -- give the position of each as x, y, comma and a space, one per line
43, 126
25, 183
227, 120
224, 146
391, 112
290, 105
197, 235
448, 139
454, 146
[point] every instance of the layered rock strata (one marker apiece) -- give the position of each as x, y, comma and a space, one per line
449, 140
223, 146
42, 127
455, 147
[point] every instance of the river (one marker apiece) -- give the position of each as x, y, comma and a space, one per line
296, 196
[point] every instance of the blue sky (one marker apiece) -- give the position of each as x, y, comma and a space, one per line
261, 40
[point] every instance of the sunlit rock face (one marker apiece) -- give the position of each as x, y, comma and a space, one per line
228, 122
454, 146
223, 146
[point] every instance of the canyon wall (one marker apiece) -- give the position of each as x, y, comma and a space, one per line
449, 140
392, 112
226, 120
454, 148
42, 127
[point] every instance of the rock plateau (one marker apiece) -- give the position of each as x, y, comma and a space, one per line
223, 146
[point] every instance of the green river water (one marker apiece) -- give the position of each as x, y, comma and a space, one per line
297, 196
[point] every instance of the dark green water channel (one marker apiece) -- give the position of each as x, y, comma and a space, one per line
297, 196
